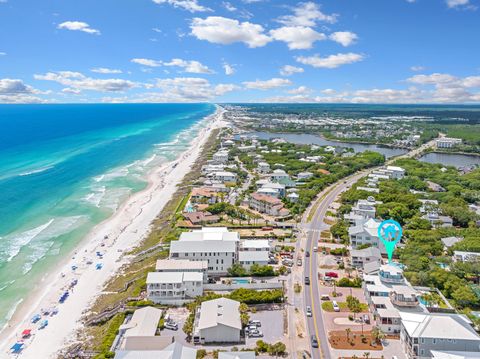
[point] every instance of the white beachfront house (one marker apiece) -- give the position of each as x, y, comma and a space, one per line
174, 288
182, 265
216, 245
224, 176
220, 157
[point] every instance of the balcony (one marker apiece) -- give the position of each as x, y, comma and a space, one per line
402, 300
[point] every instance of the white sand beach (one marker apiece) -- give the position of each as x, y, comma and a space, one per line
125, 229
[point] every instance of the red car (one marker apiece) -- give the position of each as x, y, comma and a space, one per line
331, 275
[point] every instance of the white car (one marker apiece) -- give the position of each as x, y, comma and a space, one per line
309, 311
336, 308
255, 334
315, 249
171, 326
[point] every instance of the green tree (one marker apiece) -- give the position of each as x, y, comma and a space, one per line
237, 270
354, 305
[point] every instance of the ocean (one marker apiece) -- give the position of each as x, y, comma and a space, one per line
66, 168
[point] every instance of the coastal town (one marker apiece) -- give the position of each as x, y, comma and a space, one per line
272, 249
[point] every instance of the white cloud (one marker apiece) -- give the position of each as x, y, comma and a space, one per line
78, 81
433, 79
449, 88
157, 30
189, 5
3, 54
78, 26
267, 84
457, 3
221, 30
229, 6
330, 62
229, 69
417, 68
297, 37
328, 91
71, 91
147, 62
307, 14
16, 91
301, 90
104, 70
345, 38
288, 70
185, 89
194, 67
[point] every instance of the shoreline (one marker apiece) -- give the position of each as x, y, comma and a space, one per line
126, 228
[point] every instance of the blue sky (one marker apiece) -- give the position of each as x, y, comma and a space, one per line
368, 51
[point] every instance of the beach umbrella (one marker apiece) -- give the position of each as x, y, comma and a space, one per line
17, 347
26, 333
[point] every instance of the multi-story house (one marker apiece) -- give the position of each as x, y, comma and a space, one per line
424, 335
217, 246
366, 234
175, 288
267, 204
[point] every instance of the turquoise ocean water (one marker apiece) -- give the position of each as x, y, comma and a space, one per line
65, 168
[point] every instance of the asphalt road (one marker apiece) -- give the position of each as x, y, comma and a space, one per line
315, 323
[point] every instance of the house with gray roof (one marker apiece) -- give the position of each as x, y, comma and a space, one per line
218, 321
423, 334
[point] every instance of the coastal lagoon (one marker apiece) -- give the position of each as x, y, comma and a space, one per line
307, 139
451, 159
66, 168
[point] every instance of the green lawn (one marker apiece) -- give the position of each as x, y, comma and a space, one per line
328, 306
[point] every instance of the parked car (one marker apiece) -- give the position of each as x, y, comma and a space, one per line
366, 319
331, 274
314, 341
255, 334
309, 311
336, 308
299, 262
307, 280
255, 322
324, 297
171, 326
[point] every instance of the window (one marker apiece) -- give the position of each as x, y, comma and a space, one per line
434, 341
422, 340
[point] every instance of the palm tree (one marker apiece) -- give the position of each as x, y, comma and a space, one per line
348, 331
366, 355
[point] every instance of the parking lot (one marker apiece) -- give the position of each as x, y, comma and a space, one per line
272, 327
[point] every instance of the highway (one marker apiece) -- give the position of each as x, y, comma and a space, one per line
315, 323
